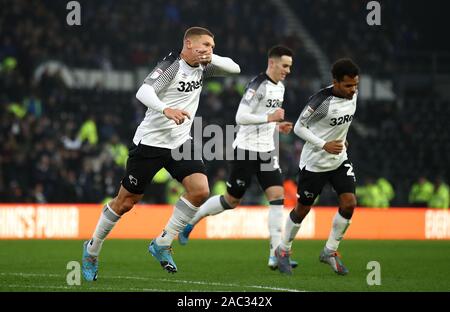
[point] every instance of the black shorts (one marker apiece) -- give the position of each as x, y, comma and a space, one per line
310, 184
264, 165
145, 161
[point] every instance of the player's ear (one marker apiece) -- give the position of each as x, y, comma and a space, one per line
188, 43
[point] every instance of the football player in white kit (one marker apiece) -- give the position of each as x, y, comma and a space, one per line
171, 92
323, 124
258, 115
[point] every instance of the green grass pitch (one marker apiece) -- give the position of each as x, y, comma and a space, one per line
225, 266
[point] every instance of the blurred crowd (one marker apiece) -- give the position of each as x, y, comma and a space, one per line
70, 145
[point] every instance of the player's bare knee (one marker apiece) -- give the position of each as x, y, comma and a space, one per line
126, 204
198, 196
235, 202
348, 204
299, 213
346, 208
274, 193
276, 196
232, 201
203, 194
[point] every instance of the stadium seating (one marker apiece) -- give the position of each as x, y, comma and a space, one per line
41, 159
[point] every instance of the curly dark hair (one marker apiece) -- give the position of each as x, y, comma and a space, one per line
343, 67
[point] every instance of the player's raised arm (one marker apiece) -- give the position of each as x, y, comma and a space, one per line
220, 66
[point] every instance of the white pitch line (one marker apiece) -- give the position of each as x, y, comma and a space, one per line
37, 286
73, 287
30, 274
166, 280
230, 285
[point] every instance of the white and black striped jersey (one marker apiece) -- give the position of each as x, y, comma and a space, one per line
178, 85
262, 97
328, 117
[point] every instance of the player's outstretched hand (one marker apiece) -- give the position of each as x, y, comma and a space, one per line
285, 127
277, 115
176, 115
334, 147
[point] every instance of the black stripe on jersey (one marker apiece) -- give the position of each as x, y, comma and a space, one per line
256, 82
321, 111
211, 70
214, 71
252, 88
315, 100
164, 72
317, 106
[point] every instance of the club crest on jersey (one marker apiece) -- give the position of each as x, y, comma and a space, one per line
308, 112
308, 194
240, 182
249, 94
156, 73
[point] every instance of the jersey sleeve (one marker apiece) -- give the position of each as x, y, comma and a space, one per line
163, 73
221, 66
315, 109
254, 92
253, 96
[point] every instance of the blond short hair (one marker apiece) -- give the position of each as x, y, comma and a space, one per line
197, 31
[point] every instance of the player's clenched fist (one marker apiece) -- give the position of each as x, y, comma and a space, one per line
277, 115
334, 147
285, 127
204, 58
176, 115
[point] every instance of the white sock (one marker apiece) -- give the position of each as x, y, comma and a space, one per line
183, 212
340, 225
106, 222
291, 230
211, 207
275, 226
